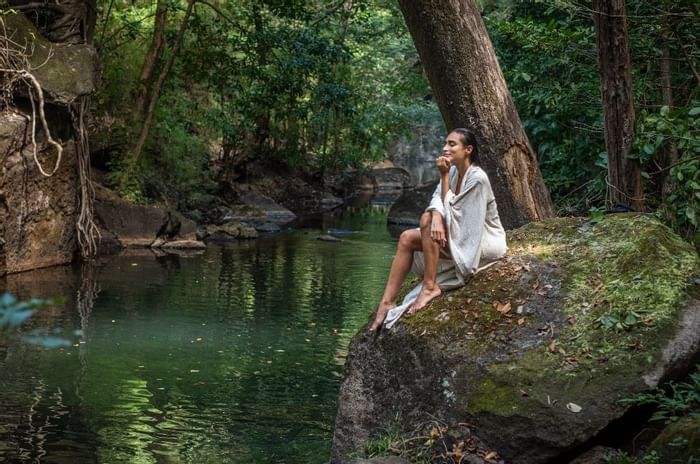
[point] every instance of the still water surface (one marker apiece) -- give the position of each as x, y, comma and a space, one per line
233, 356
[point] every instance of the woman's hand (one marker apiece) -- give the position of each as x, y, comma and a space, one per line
437, 229
443, 164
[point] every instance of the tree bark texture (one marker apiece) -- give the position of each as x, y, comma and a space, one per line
624, 174
670, 149
471, 92
155, 51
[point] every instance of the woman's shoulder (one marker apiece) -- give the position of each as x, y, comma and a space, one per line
478, 174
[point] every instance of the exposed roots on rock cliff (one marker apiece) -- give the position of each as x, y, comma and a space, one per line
15, 69
87, 231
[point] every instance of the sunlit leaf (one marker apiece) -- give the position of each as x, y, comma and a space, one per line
16, 318
46, 342
573, 407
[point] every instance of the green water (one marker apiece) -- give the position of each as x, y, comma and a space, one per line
232, 356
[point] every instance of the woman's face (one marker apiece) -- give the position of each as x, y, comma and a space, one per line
454, 148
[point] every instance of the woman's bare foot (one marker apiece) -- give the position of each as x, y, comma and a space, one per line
382, 311
425, 296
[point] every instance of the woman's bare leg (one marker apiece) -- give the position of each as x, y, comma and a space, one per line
431, 253
409, 241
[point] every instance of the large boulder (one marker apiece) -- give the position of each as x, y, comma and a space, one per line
406, 210
391, 178
64, 71
273, 212
123, 224
530, 358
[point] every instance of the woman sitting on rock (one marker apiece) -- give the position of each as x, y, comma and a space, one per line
460, 233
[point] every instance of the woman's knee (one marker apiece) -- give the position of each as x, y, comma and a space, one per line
407, 239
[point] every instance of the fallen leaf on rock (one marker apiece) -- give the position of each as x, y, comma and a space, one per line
521, 321
573, 407
503, 308
491, 456
444, 316
553, 346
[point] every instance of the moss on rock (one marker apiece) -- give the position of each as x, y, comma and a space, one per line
537, 350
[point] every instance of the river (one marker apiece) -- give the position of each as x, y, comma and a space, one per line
231, 356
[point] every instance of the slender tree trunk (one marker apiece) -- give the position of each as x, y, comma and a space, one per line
470, 90
670, 149
152, 57
155, 92
262, 121
624, 174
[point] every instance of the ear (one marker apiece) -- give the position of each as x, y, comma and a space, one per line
469, 149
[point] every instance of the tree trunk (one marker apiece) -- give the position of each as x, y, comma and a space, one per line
157, 87
470, 90
670, 149
262, 121
624, 174
151, 59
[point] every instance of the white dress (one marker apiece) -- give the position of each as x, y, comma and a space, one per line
476, 238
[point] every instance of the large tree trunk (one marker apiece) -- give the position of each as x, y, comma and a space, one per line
624, 174
470, 90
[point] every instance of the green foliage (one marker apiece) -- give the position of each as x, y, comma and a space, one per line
261, 85
676, 401
679, 129
549, 63
621, 457
14, 314
596, 214
387, 442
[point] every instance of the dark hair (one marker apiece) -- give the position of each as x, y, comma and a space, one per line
468, 138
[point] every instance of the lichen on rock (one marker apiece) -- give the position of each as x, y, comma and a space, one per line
535, 352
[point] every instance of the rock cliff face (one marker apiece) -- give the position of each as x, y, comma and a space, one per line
530, 359
37, 213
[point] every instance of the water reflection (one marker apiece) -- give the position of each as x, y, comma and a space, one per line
234, 356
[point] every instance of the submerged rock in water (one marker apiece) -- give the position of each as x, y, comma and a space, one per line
529, 360
328, 238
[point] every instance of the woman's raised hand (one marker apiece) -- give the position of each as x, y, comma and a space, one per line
443, 164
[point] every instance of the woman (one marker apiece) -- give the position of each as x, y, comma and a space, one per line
460, 233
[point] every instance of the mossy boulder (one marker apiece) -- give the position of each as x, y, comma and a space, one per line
532, 356
679, 442
64, 71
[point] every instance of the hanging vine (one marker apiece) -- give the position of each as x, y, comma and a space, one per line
15, 70
87, 231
